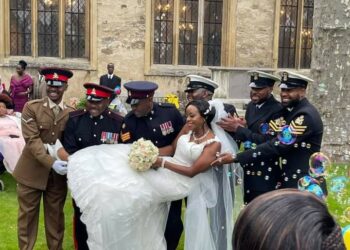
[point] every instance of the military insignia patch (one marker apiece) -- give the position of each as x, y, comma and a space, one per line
166, 128
277, 124
299, 120
125, 136
285, 76
296, 128
26, 121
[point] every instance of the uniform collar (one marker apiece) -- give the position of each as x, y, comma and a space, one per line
52, 104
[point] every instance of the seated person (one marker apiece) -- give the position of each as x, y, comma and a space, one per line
11, 140
287, 219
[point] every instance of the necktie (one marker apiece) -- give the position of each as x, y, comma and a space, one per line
56, 110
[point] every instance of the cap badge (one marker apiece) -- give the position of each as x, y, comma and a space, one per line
285, 76
187, 80
93, 91
256, 76
55, 76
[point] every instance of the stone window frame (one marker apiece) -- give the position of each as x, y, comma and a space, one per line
89, 63
227, 50
300, 27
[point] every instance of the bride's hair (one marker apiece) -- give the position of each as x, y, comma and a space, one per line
205, 110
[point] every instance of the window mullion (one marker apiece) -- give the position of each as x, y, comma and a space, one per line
61, 34
200, 32
299, 30
34, 28
176, 32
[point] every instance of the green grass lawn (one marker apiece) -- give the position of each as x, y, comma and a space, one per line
8, 219
338, 202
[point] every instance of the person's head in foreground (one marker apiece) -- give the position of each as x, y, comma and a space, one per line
287, 219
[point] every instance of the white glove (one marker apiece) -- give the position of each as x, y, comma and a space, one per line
60, 167
52, 149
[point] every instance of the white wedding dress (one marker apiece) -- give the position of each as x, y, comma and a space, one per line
127, 210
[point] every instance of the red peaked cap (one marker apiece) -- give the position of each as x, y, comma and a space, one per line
56, 74
96, 92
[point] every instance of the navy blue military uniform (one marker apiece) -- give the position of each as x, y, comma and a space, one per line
161, 126
305, 122
263, 176
83, 130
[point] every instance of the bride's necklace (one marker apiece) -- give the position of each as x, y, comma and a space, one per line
200, 138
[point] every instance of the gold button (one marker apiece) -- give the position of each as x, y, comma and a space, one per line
53, 133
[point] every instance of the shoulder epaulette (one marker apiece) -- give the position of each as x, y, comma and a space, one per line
165, 105
78, 112
36, 101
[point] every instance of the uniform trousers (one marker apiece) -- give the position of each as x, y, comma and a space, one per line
79, 230
174, 225
28, 214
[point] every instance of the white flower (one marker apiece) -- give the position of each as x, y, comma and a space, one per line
142, 155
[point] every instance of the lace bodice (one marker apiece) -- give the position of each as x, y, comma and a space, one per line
187, 152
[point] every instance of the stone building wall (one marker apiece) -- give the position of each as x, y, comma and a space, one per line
330, 69
255, 33
120, 38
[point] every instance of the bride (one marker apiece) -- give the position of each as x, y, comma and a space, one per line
125, 209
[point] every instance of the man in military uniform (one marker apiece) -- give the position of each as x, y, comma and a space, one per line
160, 123
263, 176
201, 88
38, 174
92, 126
299, 129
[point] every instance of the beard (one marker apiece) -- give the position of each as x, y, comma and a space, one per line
291, 103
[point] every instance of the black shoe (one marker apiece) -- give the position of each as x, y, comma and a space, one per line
2, 186
2, 167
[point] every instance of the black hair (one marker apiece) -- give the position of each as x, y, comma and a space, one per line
23, 64
287, 219
207, 112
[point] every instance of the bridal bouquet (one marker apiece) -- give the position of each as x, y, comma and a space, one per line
142, 155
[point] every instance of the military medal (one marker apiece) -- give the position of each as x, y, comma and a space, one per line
166, 128
109, 137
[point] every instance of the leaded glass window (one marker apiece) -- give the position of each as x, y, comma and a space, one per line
295, 34
187, 32
163, 32
48, 28
61, 28
212, 32
75, 28
20, 28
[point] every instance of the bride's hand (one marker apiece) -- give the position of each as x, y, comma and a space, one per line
222, 159
157, 163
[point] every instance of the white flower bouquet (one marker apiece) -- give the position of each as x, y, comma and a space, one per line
142, 155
